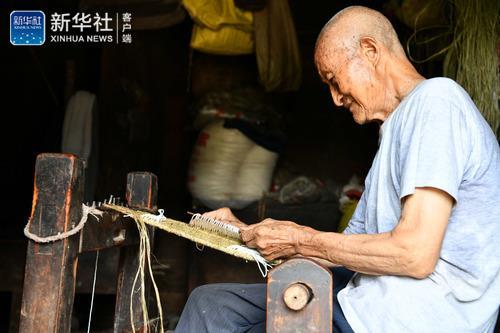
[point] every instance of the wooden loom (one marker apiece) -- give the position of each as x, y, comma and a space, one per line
299, 295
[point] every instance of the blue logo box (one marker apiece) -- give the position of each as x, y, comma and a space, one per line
27, 27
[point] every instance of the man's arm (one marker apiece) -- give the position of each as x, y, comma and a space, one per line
411, 249
323, 262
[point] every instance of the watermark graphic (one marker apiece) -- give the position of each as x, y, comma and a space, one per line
27, 27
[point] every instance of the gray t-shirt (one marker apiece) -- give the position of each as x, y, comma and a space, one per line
435, 138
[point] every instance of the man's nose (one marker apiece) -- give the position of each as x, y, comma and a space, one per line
337, 97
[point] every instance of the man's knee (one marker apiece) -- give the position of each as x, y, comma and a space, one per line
223, 307
208, 293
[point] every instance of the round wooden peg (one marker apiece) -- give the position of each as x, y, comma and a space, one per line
296, 296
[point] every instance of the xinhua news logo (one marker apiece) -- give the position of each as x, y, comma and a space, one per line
27, 27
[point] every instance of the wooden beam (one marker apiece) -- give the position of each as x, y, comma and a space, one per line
142, 190
142, 193
110, 230
57, 207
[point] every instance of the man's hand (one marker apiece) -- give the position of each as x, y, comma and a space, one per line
225, 215
274, 239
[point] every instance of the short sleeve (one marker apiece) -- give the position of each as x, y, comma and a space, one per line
356, 224
434, 148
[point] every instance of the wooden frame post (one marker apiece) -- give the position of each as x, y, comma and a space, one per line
49, 289
299, 298
142, 193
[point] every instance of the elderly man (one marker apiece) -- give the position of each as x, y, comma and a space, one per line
424, 240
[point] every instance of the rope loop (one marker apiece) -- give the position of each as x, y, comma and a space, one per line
86, 211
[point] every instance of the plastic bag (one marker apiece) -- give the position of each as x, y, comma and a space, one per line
220, 27
225, 41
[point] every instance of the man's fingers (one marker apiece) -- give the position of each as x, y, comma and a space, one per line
238, 224
247, 234
215, 214
224, 215
247, 228
268, 221
282, 253
251, 244
218, 213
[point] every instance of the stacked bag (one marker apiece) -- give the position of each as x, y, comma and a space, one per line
238, 145
228, 169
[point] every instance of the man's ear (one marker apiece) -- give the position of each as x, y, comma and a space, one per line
370, 49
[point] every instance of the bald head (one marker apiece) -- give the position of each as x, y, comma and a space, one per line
358, 55
344, 30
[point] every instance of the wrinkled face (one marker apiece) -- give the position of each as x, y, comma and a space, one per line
352, 83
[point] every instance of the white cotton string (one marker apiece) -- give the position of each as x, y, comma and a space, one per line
145, 254
86, 211
153, 282
139, 273
263, 265
93, 291
211, 224
155, 218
